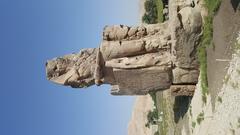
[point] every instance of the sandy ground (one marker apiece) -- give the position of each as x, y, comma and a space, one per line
226, 24
222, 110
225, 119
142, 106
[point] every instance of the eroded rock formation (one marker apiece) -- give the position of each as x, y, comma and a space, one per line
139, 59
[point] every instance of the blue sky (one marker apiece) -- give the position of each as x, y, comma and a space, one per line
32, 31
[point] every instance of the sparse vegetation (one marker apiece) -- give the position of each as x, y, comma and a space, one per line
212, 6
190, 110
236, 46
238, 126
154, 98
226, 78
153, 116
154, 12
238, 71
234, 85
156, 133
160, 6
204, 98
200, 118
219, 99
232, 129
163, 126
193, 124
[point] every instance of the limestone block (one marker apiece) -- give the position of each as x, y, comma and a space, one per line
132, 31
187, 38
141, 32
157, 28
141, 81
157, 43
141, 61
182, 90
118, 49
185, 76
115, 32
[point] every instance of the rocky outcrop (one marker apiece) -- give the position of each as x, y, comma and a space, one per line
139, 59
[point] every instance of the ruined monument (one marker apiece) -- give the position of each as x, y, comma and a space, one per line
138, 59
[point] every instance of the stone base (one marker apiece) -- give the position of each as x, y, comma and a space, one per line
182, 90
141, 81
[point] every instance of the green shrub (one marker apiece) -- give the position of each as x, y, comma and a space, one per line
153, 11
156, 133
193, 124
152, 116
200, 117
160, 6
154, 97
219, 99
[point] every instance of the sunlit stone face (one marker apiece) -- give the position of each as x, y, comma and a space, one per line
75, 70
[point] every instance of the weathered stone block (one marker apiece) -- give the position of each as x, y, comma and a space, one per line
141, 81
185, 76
187, 38
141, 61
182, 90
118, 49
115, 32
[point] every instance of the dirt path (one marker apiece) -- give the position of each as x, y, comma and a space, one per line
226, 24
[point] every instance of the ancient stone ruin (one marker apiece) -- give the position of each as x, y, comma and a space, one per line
138, 59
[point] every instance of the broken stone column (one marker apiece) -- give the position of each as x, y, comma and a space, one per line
136, 60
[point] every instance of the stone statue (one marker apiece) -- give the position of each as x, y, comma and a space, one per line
139, 59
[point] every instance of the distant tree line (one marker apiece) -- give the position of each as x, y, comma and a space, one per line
151, 14
154, 11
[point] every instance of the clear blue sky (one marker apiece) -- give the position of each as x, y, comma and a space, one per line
32, 31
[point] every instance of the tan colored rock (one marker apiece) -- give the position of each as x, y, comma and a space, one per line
141, 32
132, 32
188, 36
157, 44
118, 49
115, 32
141, 61
141, 81
185, 76
153, 29
75, 70
183, 90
